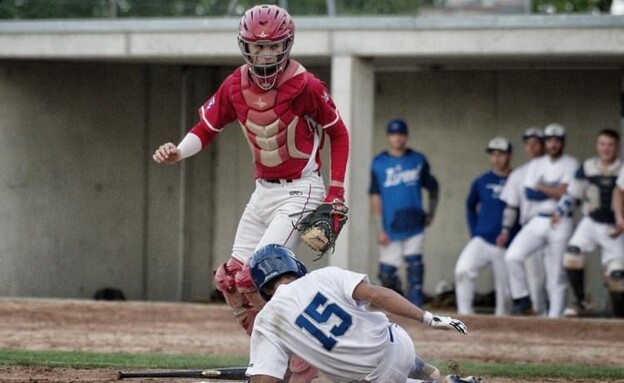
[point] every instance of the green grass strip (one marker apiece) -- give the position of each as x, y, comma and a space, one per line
533, 370
73, 359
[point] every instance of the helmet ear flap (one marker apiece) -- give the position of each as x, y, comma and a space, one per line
302, 269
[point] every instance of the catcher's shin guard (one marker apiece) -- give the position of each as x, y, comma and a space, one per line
234, 281
389, 278
615, 285
574, 265
301, 371
415, 276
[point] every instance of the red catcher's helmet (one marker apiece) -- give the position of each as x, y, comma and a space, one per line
266, 25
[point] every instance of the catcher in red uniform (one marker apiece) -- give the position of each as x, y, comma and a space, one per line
286, 114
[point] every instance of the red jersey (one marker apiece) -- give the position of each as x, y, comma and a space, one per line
284, 126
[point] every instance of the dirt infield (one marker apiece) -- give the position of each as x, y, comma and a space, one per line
175, 328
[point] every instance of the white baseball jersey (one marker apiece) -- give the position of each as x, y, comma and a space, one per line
544, 170
317, 319
539, 233
513, 194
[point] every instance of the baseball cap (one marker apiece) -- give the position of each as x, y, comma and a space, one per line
554, 130
396, 126
499, 143
533, 132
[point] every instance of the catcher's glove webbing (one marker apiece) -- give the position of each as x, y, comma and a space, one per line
319, 229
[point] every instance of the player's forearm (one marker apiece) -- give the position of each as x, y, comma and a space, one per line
617, 200
554, 192
377, 212
433, 201
510, 217
339, 154
205, 134
392, 302
189, 146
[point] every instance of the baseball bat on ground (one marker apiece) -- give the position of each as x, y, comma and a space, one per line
230, 373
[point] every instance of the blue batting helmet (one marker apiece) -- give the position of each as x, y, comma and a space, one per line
396, 126
272, 261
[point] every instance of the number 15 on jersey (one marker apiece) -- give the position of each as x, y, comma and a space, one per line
316, 313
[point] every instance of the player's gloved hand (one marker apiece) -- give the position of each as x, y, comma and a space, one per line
444, 323
335, 193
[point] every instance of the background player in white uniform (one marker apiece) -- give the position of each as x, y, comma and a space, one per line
322, 317
545, 182
520, 209
594, 183
485, 212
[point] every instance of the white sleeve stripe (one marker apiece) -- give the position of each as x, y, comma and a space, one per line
205, 120
331, 123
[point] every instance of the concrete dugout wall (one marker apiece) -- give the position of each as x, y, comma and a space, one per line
84, 207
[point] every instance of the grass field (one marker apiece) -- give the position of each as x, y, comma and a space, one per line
119, 361
69, 341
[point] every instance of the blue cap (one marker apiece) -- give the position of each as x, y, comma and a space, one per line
396, 126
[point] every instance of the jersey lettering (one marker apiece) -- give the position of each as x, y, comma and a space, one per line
396, 176
311, 316
496, 189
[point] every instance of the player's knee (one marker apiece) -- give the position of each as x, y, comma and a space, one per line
224, 279
615, 276
244, 285
574, 259
514, 255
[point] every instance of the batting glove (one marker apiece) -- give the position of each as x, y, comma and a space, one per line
444, 323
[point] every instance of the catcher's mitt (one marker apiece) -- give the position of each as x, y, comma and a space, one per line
319, 229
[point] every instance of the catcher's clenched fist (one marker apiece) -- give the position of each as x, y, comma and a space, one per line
319, 229
167, 153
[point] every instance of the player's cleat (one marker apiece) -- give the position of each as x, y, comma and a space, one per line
424, 371
522, 306
576, 310
458, 379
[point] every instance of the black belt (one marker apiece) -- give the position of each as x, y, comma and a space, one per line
277, 181
551, 214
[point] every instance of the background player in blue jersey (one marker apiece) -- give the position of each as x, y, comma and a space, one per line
398, 176
484, 210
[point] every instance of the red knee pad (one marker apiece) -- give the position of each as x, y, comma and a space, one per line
245, 286
224, 279
234, 281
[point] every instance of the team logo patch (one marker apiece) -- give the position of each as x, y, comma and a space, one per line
260, 103
210, 103
325, 96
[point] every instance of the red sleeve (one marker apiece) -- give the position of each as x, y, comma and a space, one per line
327, 116
205, 134
216, 112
